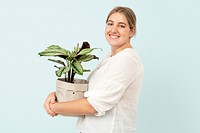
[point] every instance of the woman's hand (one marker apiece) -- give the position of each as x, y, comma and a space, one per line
51, 99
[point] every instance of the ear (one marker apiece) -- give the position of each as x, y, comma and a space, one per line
132, 32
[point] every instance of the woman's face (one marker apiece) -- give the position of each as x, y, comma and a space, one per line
117, 31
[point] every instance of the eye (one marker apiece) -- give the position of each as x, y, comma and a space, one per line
121, 26
110, 24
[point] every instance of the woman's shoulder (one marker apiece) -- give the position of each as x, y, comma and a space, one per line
126, 57
128, 53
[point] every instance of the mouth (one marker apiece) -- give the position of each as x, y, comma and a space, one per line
114, 36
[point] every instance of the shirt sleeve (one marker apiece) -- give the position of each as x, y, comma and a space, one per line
117, 76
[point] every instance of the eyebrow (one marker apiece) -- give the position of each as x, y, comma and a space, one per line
118, 23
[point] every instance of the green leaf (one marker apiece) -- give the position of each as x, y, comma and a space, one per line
77, 67
55, 50
85, 58
76, 49
61, 70
54, 47
66, 70
86, 70
57, 61
86, 51
73, 54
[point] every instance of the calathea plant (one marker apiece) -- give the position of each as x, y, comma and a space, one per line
70, 63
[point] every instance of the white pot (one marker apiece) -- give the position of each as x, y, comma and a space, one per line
70, 91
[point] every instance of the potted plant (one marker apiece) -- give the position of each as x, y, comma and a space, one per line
70, 88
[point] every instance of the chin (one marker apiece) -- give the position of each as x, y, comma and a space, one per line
114, 44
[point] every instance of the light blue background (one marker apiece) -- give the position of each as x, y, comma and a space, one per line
167, 40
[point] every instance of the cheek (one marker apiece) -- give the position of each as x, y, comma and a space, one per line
126, 33
106, 29
106, 34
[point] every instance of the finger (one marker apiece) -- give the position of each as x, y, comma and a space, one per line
51, 113
48, 110
53, 100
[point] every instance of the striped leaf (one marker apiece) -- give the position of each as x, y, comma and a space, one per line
85, 58
77, 67
85, 51
54, 50
62, 70
57, 61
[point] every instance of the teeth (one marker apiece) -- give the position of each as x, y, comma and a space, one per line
114, 37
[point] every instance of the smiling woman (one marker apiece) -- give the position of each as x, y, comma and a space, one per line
114, 86
121, 26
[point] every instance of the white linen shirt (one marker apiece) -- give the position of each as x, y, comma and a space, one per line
113, 92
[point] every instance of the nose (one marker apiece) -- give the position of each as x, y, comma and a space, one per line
114, 29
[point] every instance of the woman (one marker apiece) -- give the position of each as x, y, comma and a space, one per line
110, 103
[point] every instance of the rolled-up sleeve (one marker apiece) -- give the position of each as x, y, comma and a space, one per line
115, 77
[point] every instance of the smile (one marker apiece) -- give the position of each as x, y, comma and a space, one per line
114, 36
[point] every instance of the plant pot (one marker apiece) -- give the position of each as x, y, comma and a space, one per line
70, 91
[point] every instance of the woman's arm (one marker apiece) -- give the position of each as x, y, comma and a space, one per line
77, 107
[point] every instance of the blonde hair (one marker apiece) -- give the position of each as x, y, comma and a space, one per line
127, 12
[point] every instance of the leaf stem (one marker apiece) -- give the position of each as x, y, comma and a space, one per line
72, 76
69, 74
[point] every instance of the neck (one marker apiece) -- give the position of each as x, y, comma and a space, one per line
115, 50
